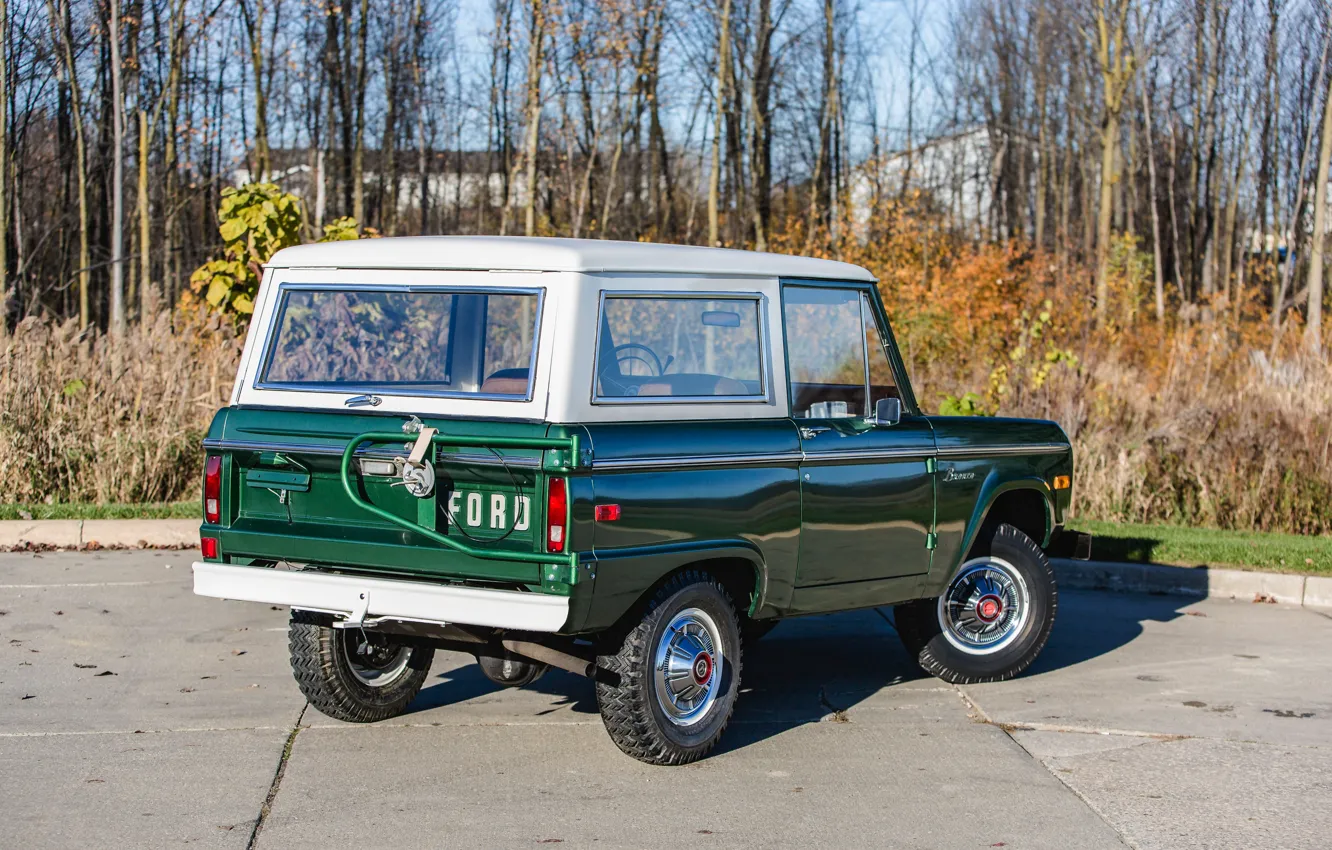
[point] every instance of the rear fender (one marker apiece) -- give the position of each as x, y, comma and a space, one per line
624, 577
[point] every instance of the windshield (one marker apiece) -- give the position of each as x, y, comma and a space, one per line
406, 342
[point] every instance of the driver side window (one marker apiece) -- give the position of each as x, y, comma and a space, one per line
672, 347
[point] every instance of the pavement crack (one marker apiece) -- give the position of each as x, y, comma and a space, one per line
1009, 729
277, 781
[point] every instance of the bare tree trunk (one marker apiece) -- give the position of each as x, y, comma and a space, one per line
117, 176
254, 29
723, 78
1156, 218
358, 152
1297, 214
1116, 61
146, 300
532, 113
4, 150
418, 93
1313, 329
760, 148
820, 198
1174, 218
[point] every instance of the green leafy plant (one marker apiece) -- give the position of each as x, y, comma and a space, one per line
340, 230
256, 221
969, 404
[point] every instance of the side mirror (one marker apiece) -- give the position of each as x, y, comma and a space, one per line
887, 411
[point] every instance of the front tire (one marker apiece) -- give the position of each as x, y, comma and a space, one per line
667, 690
992, 620
354, 675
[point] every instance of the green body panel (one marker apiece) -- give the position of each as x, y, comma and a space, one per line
693, 491
969, 480
283, 496
808, 516
866, 510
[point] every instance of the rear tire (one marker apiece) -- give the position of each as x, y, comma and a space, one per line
667, 690
994, 617
354, 675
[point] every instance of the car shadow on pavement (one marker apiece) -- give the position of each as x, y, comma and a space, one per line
467, 682
816, 669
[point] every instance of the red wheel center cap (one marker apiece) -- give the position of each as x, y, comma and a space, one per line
989, 608
702, 667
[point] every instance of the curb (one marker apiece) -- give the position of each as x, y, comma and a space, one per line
1201, 582
99, 534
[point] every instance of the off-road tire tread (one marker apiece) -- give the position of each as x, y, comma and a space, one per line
314, 659
916, 619
625, 704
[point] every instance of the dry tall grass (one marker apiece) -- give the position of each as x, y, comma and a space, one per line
1187, 423
89, 417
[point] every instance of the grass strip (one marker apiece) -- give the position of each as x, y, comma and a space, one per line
1195, 547
67, 510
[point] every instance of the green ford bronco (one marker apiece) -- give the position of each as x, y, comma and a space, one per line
622, 460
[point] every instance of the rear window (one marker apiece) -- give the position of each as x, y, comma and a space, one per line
403, 341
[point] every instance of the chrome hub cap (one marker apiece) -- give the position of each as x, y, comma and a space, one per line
985, 607
373, 659
687, 667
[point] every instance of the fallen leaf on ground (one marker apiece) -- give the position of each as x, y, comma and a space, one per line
107, 673
29, 696
85, 666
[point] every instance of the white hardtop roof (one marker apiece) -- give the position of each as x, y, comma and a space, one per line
537, 254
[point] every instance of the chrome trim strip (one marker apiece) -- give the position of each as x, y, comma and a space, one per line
264, 446
368, 451
698, 461
414, 601
834, 456
1004, 450
527, 462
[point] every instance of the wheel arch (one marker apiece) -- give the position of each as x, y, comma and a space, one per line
1024, 503
626, 582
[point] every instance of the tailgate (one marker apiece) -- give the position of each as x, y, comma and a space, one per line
284, 496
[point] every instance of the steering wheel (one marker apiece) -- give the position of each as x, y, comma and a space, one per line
655, 362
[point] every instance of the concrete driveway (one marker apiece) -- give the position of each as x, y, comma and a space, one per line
133, 714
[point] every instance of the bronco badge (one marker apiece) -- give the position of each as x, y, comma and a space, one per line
953, 475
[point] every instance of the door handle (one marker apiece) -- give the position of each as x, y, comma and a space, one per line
809, 432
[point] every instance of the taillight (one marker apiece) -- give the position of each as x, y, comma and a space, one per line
213, 489
557, 513
208, 547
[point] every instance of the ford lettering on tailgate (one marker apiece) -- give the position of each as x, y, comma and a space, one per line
491, 513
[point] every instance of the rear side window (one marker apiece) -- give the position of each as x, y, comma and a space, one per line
664, 348
403, 341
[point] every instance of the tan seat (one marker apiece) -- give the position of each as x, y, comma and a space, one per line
497, 385
692, 385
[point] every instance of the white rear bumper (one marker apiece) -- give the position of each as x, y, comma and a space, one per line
364, 598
